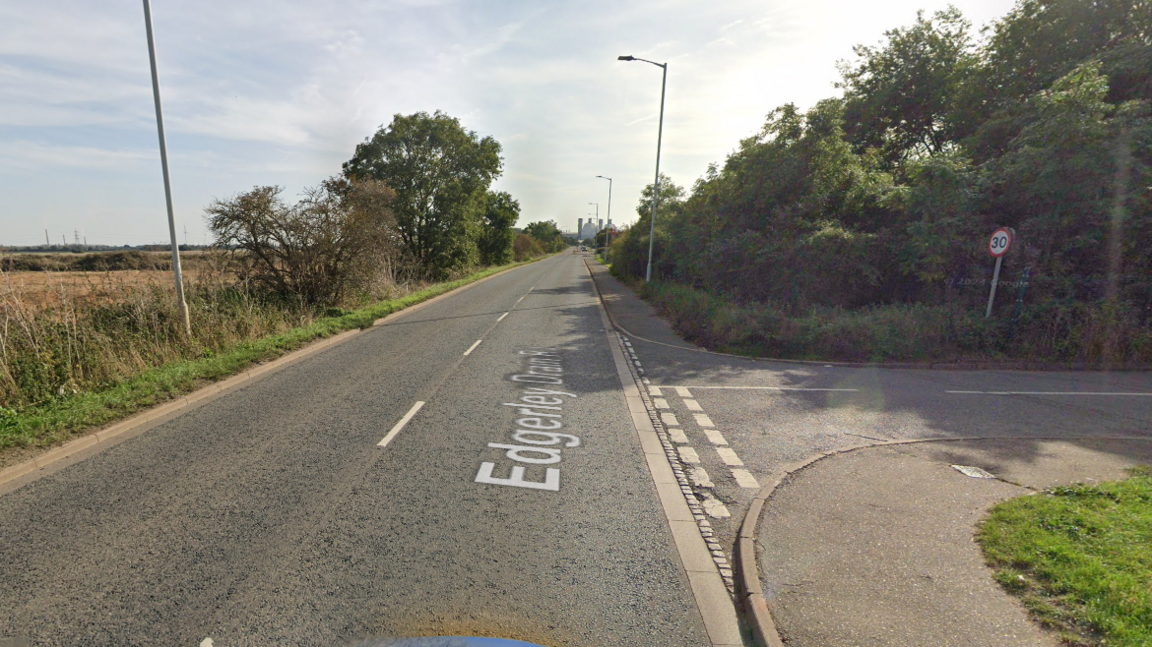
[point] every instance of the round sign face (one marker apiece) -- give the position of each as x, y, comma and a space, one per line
1000, 242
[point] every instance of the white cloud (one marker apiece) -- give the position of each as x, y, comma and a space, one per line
281, 91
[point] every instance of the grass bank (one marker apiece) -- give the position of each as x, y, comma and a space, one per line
896, 332
1080, 558
70, 410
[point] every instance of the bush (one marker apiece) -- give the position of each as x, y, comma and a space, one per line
341, 232
526, 247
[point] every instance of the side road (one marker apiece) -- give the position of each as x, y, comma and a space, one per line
863, 533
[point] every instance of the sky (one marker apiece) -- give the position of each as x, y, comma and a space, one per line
261, 92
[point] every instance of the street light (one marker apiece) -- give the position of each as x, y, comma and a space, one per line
659, 137
181, 305
608, 230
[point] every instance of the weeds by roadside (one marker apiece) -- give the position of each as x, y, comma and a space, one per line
87, 365
896, 332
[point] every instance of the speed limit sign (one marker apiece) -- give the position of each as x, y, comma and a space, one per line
1000, 242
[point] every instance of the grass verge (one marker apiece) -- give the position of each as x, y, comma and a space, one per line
59, 418
1080, 558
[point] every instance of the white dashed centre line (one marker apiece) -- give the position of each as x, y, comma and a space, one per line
693, 405
677, 435
669, 419
660, 403
473, 347
683, 392
501, 317
703, 420
400, 425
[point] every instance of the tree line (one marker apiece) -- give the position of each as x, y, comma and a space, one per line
413, 202
885, 195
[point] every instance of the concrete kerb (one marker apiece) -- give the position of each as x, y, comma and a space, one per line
713, 601
122, 427
954, 366
757, 612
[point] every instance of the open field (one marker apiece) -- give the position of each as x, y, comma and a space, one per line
52, 289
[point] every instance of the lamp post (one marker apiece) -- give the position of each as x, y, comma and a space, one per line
181, 305
608, 229
659, 137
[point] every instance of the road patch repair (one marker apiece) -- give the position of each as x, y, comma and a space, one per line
874, 546
539, 441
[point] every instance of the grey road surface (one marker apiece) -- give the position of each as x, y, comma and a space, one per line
739, 424
270, 516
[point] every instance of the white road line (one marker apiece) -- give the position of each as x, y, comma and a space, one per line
715, 437
745, 479
520, 299
728, 455
473, 346
655, 390
703, 420
669, 419
501, 317
715, 508
660, 403
765, 388
1145, 395
678, 436
689, 455
693, 405
700, 477
683, 392
400, 425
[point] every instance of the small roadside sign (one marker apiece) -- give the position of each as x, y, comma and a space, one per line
998, 246
1000, 241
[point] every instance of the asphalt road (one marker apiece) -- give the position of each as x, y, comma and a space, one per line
270, 515
774, 415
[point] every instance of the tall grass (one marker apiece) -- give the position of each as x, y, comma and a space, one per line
82, 362
87, 339
902, 332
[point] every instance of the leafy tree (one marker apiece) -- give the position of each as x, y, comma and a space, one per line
630, 253
314, 249
526, 247
900, 96
547, 234
496, 235
440, 173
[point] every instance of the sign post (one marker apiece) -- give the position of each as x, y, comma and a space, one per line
997, 246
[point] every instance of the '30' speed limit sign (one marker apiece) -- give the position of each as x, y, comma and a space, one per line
1000, 242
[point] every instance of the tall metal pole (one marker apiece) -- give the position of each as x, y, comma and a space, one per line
181, 305
608, 232
656, 182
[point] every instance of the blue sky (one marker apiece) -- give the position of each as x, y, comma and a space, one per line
260, 92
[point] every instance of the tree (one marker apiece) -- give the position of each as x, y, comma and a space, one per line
496, 236
313, 249
440, 173
548, 234
900, 97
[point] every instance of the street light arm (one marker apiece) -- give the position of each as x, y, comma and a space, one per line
637, 58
